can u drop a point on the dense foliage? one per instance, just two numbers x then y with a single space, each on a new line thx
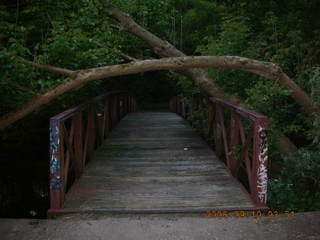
283 32
78 34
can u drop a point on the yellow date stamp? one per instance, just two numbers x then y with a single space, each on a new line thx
254 214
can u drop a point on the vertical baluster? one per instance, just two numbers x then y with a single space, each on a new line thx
115 109
91 133
124 104
78 143
121 106
127 104
217 131
110 106
105 119
234 139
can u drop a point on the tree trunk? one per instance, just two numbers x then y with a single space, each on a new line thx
165 49
186 65
201 78
79 78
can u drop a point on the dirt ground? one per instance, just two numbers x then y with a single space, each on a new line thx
304 226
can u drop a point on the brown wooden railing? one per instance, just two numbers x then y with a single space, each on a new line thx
240 138
74 136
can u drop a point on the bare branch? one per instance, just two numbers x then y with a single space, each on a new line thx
116 51
48 68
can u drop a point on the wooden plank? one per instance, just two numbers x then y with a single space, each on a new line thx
155 162
160 153
156 204
161 163
156 179
159 159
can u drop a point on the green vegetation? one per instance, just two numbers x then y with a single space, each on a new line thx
282 32
298 186
78 34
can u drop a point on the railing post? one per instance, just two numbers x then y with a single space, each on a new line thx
116 109
56 187
130 104
121 106
126 99
91 133
234 139
260 161
218 131
78 143
111 111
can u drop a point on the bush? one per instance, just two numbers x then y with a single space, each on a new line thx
298 186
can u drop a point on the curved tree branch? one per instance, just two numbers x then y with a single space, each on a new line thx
79 78
47 68
165 49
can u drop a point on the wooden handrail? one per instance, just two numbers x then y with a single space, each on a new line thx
76 133
237 142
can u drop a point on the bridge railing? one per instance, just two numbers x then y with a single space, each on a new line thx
74 136
240 138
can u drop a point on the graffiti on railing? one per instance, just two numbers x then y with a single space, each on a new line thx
262 174
55 180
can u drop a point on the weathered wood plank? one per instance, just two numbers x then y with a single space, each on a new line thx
156 204
155 162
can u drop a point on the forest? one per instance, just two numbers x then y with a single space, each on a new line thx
264 55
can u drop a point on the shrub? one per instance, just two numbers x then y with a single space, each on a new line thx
298 186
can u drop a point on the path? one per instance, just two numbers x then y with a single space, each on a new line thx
304 226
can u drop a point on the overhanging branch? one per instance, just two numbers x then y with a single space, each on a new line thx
79 78
200 77
47 68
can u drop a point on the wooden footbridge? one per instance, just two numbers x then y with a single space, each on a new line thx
107 158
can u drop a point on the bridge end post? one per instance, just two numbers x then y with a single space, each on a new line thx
55 182
260 162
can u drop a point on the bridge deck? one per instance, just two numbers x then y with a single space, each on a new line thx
155 162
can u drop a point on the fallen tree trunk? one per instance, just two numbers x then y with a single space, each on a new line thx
165 49
201 78
78 78
186 65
